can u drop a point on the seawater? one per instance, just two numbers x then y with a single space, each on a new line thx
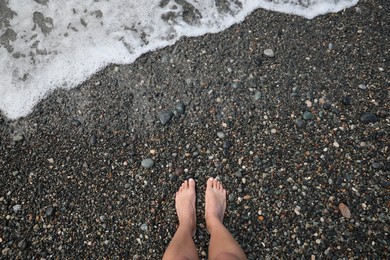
50 44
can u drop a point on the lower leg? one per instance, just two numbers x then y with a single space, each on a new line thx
222 244
182 246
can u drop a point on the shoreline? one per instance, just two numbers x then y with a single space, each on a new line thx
283 133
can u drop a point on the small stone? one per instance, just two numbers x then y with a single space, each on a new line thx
49 211
258 61
330 46
76 122
307 115
299 123
144 227
22 244
50 160
17 208
346 100
308 103
180 108
247 197
179 171
273 131
238 174
17 137
344 210
147 163
385 184
327 106
269 53
368 117
221 135
5 251
257 95
165 117
336 144
362 86
93 140
127 185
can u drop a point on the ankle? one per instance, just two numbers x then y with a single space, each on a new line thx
212 222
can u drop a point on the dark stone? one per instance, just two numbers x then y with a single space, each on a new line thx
49 211
165 117
385 184
93 140
346 100
76 122
368 117
327 106
307 115
258 61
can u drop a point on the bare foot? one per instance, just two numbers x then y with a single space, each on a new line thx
185 205
215 203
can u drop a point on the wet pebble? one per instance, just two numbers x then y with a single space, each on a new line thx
307 115
327 106
165 117
368 117
147 163
93 140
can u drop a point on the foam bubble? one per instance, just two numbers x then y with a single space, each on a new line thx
46 45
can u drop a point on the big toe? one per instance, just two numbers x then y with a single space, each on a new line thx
191 183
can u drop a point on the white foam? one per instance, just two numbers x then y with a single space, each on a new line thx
85 36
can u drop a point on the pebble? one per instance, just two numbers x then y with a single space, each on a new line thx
336 144
257 95
165 117
346 100
327 106
76 122
179 171
221 135
273 131
368 117
17 208
269 53
93 140
17 137
144 227
180 108
308 103
49 211
299 122
307 115
362 86
5 251
147 163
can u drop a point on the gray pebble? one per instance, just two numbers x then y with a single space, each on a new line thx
368 117
49 211
144 227
22 244
269 53
165 117
221 135
299 122
147 163
362 86
93 140
17 137
257 95
180 108
17 208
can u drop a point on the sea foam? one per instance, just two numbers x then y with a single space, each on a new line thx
50 44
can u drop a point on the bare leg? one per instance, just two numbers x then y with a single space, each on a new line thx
182 246
222 244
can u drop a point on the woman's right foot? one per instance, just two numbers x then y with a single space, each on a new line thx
215 203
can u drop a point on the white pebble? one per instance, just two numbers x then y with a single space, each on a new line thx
269 53
336 144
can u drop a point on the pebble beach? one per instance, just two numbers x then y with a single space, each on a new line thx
292 115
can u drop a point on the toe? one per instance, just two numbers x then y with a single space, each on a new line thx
210 183
191 183
215 183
